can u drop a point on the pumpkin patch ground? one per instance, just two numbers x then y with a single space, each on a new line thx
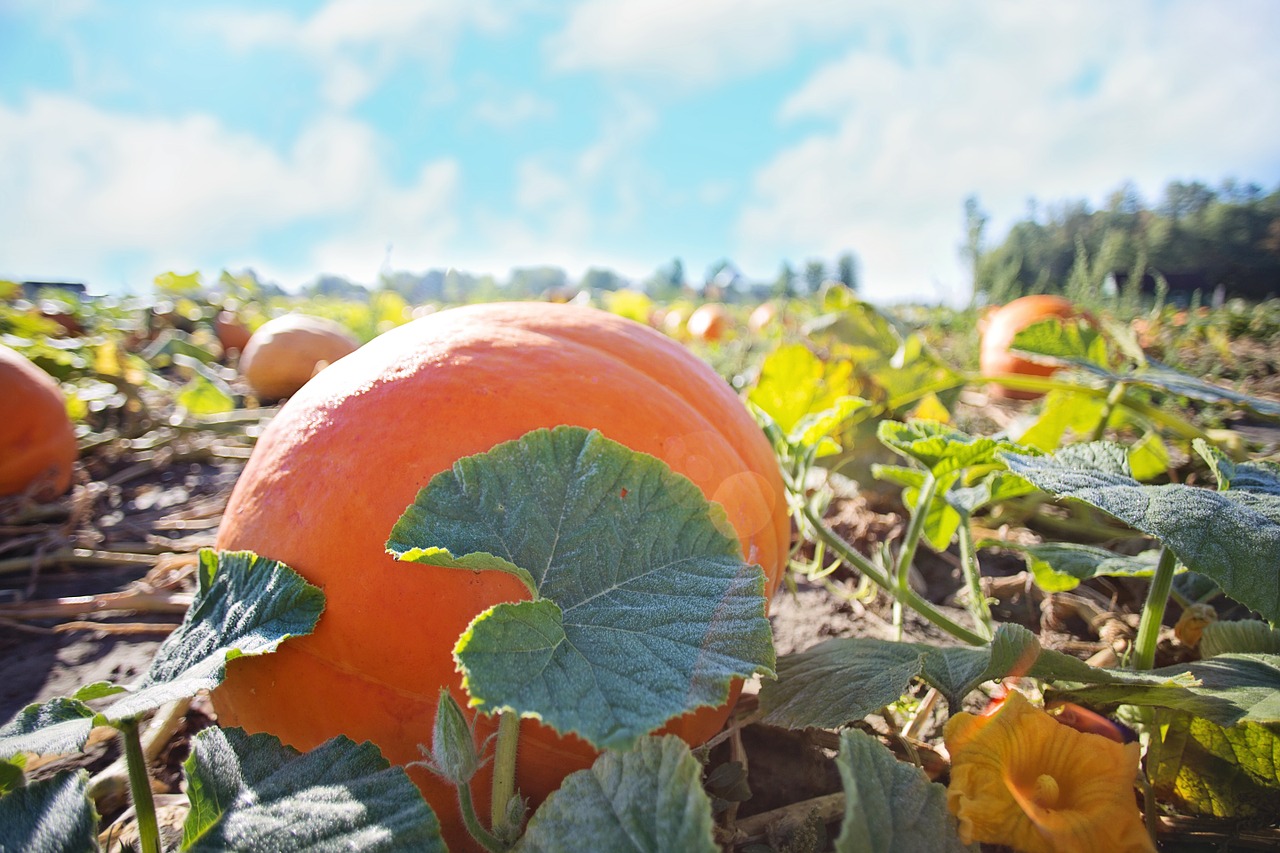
93 581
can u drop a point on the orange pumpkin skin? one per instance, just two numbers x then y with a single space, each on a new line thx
708 322
348 453
998 329
37 439
284 353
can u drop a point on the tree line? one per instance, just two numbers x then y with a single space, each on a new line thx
1221 240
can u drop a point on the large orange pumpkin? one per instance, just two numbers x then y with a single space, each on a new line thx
348 453
284 353
37 438
1000 326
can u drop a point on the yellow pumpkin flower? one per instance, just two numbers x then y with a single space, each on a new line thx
1021 778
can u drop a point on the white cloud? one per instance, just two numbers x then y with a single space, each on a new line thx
356 43
507 113
693 43
575 199
83 186
1057 101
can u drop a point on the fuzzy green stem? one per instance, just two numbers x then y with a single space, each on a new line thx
973 578
1176 425
1113 400
487 839
915 529
1144 652
144 806
504 766
870 570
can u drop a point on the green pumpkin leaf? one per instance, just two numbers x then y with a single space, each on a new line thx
245 605
1149 458
993 488
1232 536
56 727
1062 341
1261 476
648 800
645 608
842 680
251 792
940 448
845 679
200 396
1061 566
1160 377
808 398
1206 769
1163 378
1062 411
941 520
1246 637
50 816
97 690
891 805
11 775
1225 690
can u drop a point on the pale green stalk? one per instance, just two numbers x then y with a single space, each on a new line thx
915 529
973 578
504 766
1144 650
487 839
870 570
144 806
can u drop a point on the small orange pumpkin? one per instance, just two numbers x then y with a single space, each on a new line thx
763 316
1000 326
709 322
284 353
37 439
350 451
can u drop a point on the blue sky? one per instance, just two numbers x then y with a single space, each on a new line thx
337 136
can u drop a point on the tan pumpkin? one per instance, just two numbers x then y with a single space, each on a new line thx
284 353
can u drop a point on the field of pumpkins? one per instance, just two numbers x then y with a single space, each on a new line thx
796 574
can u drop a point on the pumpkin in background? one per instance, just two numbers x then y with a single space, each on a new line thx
999 326
284 353
338 466
232 334
37 439
708 322
764 316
